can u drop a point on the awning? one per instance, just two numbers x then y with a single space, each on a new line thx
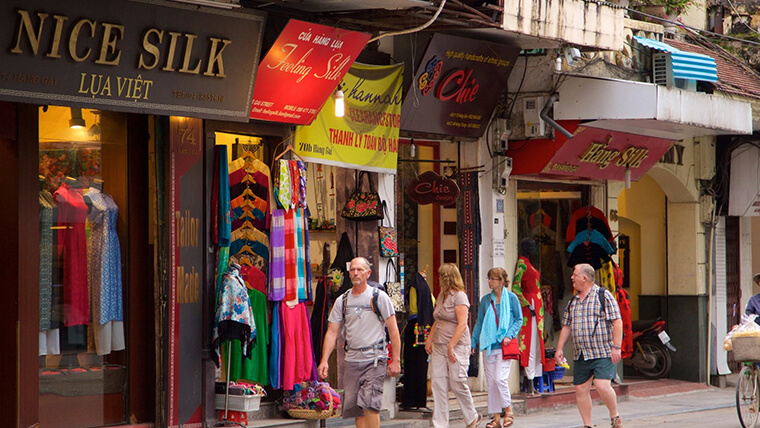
686 65
592 153
649 109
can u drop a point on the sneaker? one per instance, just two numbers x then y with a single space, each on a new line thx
616 422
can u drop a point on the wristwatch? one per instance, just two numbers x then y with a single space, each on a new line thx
615 347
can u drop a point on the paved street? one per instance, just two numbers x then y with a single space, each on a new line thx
713 407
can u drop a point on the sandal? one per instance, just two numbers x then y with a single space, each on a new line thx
509 419
493 424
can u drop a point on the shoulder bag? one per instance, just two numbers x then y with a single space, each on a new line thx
362 205
512 350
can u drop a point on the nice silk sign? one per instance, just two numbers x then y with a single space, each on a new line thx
135 56
301 71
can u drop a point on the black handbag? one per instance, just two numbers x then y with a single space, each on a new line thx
362 205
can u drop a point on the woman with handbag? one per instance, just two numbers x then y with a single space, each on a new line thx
499 322
448 347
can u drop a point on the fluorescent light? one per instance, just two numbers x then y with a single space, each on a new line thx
340 108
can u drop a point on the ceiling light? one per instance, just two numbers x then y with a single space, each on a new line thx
627 177
76 120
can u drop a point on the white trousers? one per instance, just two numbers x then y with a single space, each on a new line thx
445 376
497 379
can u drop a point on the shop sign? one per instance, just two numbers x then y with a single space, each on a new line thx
302 69
185 358
602 154
458 83
431 188
366 137
143 56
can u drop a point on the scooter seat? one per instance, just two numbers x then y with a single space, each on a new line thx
643 324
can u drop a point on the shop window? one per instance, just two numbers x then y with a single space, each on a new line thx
83 208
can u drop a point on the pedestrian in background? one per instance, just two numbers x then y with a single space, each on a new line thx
499 321
449 348
593 321
753 306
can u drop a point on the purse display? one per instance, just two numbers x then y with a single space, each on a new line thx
362 205
393 288
387 237
510 351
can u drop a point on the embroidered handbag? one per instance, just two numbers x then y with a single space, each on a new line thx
510 351
393 288
361 205
387 237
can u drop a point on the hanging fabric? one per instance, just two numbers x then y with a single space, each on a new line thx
234 318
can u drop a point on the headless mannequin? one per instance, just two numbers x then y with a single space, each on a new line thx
528 248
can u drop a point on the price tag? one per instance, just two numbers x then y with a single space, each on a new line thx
664 338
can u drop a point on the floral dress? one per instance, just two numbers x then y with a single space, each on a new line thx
527 287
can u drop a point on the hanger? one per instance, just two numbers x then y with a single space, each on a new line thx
246 249
248 192
245 261
289 148
248 178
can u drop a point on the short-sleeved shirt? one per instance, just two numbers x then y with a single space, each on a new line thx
362 327
584 316
753 307
446 317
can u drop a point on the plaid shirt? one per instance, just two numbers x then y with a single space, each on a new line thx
583 316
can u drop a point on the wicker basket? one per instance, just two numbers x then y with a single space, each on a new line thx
239 403
746 348
313 414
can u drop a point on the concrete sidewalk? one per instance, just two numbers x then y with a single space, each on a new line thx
635 406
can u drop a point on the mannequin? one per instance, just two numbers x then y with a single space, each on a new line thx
527 287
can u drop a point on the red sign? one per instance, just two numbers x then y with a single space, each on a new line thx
453 93
602 154
302 69
431 188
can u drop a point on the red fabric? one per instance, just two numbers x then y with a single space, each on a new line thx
72 244
297 354
530 292
291 270
295 183
624 301
254 278
579 214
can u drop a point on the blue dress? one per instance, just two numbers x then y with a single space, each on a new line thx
104 259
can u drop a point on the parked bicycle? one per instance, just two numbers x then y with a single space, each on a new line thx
747 394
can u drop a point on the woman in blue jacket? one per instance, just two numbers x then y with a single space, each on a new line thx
499 321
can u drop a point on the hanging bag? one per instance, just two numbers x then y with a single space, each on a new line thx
361 205
387 237
512 350
393 288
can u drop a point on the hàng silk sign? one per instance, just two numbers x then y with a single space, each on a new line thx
367 136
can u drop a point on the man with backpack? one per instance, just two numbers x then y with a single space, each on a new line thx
592 319
364 312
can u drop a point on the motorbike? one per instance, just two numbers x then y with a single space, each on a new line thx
651 349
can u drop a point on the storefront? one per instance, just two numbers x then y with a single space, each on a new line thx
87 93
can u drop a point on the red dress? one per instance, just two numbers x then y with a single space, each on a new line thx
72 246
527 287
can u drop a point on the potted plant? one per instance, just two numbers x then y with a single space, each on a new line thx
664 8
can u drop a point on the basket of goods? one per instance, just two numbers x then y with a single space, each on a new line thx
242 397
744 340
311 400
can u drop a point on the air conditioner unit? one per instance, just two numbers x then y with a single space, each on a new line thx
662 73
534 125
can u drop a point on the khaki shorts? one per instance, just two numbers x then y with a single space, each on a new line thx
363 387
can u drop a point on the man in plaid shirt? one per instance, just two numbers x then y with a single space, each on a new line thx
597 333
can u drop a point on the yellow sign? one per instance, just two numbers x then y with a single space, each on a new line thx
366 137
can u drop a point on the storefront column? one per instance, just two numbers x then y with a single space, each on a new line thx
687 291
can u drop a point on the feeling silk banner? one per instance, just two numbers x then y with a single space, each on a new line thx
366 137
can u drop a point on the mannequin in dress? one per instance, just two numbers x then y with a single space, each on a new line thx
527 287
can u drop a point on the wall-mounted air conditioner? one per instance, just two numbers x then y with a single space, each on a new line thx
662 73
